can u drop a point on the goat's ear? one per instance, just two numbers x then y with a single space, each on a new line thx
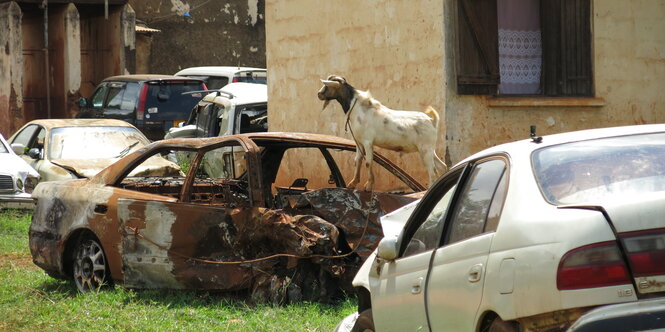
332 84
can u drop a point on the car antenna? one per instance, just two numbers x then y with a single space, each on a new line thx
534 138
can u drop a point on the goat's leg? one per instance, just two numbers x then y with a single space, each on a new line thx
369 156
441 167
428 157
356 176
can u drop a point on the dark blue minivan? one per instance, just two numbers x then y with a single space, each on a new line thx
152 103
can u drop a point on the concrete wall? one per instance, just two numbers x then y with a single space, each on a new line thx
403 51
199 33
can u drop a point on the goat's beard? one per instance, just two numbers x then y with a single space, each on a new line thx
325 104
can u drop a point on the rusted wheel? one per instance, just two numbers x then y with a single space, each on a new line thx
89 269
364 323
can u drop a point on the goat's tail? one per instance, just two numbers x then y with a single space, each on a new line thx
434 115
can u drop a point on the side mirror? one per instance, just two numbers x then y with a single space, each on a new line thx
83 103
387 248
34 153
18 148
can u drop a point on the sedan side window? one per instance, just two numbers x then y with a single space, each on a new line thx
427 235
25 136
475 200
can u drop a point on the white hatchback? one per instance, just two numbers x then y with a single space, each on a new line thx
216 77
525 236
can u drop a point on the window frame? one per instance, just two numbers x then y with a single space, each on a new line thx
567 70
438 190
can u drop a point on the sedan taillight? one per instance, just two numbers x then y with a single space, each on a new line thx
646 252
595 265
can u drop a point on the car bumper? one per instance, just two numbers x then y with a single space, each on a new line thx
645 315
17 201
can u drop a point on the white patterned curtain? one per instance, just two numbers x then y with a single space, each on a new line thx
520 48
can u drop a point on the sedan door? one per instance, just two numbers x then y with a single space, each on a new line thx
457 274
183 243
398 286
436 282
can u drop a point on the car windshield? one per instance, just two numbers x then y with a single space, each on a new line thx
600 169
94 142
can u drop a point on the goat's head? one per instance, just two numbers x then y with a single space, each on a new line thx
335 87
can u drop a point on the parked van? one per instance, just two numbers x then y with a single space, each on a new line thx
152 103
237 108
216 77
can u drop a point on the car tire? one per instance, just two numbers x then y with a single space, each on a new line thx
89 268
498 325
364 323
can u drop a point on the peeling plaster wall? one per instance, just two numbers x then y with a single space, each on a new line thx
199 33
404 53
393 48
11 64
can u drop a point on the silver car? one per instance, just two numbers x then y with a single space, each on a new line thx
525 236
17 179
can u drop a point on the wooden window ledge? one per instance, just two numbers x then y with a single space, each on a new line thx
545 102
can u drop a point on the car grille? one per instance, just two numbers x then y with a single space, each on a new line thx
6 182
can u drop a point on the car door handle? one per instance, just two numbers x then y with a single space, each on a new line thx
475 273
101 208
417 286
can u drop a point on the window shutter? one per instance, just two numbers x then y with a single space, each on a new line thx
566 34
478 47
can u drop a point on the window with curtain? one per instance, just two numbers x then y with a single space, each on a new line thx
524 47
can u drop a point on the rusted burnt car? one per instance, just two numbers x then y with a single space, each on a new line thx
240 216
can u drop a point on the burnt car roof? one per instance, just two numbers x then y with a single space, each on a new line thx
277 136
149 77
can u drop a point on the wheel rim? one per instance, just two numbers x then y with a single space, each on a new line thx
89 266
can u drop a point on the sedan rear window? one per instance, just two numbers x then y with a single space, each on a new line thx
598 169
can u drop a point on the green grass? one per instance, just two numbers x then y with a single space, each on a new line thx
30 300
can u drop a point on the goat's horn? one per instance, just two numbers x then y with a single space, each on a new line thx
330 83
325 104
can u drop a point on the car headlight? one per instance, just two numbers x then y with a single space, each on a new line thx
19 184
30 184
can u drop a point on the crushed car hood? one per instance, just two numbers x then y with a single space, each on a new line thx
90 167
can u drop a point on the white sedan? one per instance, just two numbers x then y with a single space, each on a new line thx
17 179
525 236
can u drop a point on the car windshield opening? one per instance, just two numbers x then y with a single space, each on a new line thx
599 169
93 142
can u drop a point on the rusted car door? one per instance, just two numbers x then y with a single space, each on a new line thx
179 244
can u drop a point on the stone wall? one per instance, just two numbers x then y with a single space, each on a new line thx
200 33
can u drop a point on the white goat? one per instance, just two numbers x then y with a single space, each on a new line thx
372 123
